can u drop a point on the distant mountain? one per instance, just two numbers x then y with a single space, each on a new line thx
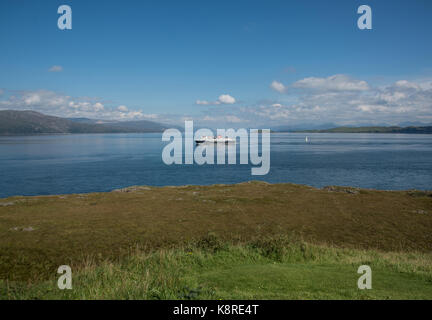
134 126
83 120
392 129
414 124
140 126
14 122
302 126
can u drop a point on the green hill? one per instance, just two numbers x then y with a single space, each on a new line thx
30 123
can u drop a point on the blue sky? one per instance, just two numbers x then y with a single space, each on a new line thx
244 62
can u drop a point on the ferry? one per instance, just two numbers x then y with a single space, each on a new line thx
218 139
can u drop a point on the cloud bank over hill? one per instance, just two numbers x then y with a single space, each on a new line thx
57 104
337 98
350 101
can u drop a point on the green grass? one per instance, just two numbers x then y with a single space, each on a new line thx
37 234
272 268
281 241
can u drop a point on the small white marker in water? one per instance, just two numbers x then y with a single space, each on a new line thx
307 139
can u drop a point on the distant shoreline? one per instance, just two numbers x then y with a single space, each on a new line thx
259 131
72 134
138 188
31 123
392 129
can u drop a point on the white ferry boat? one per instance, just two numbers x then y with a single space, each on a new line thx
218 139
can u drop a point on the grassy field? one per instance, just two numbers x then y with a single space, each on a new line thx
250 240
276 268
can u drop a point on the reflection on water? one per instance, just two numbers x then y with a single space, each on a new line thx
86 163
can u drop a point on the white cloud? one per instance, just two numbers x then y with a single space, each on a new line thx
85 106
392 96
338 82
56 69
337 99
203 102
407 84
226 99
233 119
221 118
98 106
223 99
52 103
392 104
122 108
32 98
207 118
278 86
398 102
150 116
371 108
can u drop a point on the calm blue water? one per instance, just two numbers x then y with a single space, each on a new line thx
40 165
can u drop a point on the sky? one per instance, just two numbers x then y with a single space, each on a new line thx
220 63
